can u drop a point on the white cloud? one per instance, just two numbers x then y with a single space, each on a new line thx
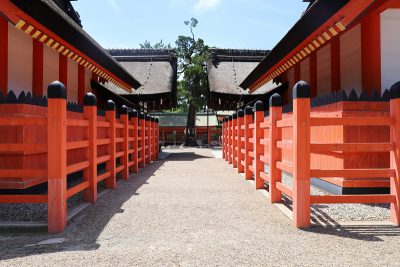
206 4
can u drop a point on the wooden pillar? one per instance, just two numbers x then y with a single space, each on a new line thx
258 148
248 119
230 139
153 139
313 74
234 140
371 52
143 137
3 55
158 138
395 153
148 139
296 70
111 164
37 67
240 143
135 143
125 144
57 157
335 64
81 83
224 138
275 154
63 69
209 135
301 157
90 113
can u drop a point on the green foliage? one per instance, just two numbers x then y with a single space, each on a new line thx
159 45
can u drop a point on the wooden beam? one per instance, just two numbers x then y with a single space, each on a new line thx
335 64
81 83
63 69
37 68
3 55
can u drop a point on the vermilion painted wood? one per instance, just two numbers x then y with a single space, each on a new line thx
248 119
125 146
143 142
234 143
148 142
111 166
335 64
366 199
78 188
240 145
258 148
395 160
275 134
230 142
37 67
301 162
3 55
313 74
57 165
223 139
158 138
90 175
135 166
23 199
284 189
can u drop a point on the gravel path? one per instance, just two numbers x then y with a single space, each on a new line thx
194 210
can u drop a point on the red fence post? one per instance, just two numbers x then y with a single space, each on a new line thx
230 153
248 119
125 145
157 137
57 157
224 138
258 147
275 154
111 164
234 140
90 114
240 143
142 123
135 143
301 159
395 153
153 139
148 138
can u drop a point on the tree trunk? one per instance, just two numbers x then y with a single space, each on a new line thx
191 127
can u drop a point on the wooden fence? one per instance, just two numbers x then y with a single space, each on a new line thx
297 142
48 140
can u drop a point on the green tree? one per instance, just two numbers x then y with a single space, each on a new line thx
159 45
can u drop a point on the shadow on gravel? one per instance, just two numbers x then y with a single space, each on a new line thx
83 231
185 156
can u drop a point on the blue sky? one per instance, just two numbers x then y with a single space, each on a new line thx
249 24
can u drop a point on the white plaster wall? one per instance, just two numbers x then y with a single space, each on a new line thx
305 70
72 90
324 70
50 67
88 77
20 60
390 47
350 60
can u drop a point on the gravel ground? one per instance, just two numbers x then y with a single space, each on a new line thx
194 210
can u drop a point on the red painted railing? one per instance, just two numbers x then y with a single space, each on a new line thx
46 144
291 143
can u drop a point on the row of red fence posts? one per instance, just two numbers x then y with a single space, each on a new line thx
139 148
253 140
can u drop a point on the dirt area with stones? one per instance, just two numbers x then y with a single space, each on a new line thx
191 209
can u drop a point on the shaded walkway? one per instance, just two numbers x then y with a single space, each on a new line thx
193 209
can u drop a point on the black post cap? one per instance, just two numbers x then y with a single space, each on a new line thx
395 91
89 99
56 90
259 106
124 110
301 90
234 115
152 119
275 100
133 113
110 105
157 120
147 118
248 110
240 113
230 117
141 116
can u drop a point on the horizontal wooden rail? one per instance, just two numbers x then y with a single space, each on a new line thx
264 176
284 189
78 188
23 199
101 142
264 125
119 140
26 173
77 167
77 123
352 147
77 144
103 124
120 168
285 144
103 176
353 173
119 125
22 148
365 199
351 121
285 123
23 121
103 159
284 167
119 154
